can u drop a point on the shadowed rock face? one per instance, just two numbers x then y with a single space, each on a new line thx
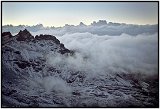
24 36
47 37
62 50
7 34
6 37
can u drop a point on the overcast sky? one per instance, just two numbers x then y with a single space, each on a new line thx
61 13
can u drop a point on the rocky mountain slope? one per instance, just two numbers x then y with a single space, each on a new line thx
28 80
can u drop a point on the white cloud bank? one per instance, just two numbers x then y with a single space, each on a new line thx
106 54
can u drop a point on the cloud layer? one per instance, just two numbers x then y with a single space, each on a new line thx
102 27
106 54
105 47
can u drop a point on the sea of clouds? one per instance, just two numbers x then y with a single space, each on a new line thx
103 54
107 47
106 55
100 49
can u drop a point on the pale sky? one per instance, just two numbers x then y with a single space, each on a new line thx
61 13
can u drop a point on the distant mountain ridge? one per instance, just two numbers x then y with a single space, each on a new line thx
102 27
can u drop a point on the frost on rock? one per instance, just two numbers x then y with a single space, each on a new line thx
40 72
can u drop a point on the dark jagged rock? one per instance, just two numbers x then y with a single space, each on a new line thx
23 64
24 35
6 37
63 51
47 37
61 45
10 93
76 93
17 52
7 34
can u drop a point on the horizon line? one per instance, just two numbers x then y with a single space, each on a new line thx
78 24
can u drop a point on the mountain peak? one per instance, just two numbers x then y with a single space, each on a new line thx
24 35
25 31
81 24
99 23
6 34
47 37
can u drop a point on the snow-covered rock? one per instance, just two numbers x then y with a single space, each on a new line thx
29 79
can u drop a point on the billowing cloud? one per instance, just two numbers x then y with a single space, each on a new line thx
107 54
56 85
